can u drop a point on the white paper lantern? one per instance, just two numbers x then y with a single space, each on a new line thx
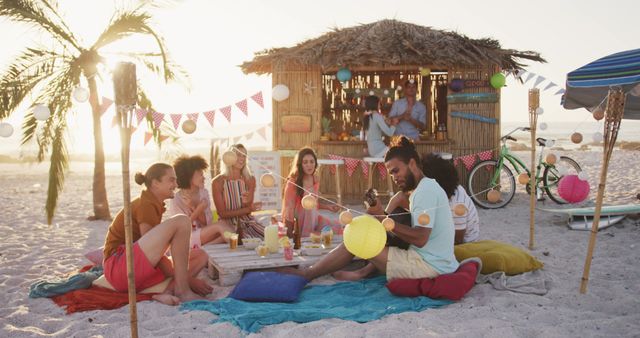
309 202
597 137
550 143
41 112
6 129
539 111
345 217
280 92
229 158
543 126
583 176
358 91
80 94
371 93
267 180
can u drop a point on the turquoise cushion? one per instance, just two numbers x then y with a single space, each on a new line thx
268 286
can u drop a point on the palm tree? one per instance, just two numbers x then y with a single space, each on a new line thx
53 73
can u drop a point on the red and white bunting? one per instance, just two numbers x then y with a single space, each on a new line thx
133 130
242 105
333 167
257 97
140 114
382 170
106 103
365 168
486 155
147 137
162 138
210 115
469 161
193 117
226 111
350 164
455 162
175 118
262 132
157 118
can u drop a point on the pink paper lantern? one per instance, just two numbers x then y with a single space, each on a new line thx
572 189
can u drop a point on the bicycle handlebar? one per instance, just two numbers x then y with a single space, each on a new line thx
508 136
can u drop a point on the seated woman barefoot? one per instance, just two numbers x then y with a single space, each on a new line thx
303 175
233 192
151 239
193 200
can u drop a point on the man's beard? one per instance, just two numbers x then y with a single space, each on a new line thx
409 182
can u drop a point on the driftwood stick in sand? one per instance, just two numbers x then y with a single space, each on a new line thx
534 103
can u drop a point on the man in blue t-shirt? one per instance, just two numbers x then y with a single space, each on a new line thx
431 245
411 112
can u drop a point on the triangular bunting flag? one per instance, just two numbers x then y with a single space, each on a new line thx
193 117
382 170
333 167
550 85
140 114
175 118
257 97
350 164
521 72
210 115
147 137
560 91
365 168
455 162
529 77
157 118
242 105
485 155
539 81
262 132
106 103
226 111
469 161
162 138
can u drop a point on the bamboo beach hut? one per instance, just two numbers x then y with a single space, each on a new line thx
324 111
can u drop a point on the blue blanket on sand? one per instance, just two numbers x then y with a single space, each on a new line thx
360 301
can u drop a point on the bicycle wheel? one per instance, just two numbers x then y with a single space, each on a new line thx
553 174
479 184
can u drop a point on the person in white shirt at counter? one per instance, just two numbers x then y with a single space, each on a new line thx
412 113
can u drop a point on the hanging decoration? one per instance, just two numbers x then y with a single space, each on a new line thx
80 94
576 137
543 126
523 178
364 237
257 98
175 118
267 180
424 219
343 75
388 223
572 189
242 105
597 137
459 210
280 92
309 202
41 112
189 126
345 217
6 129
309 87
229 158
498 80
425 71
456 85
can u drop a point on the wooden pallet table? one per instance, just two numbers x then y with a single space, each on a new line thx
228 265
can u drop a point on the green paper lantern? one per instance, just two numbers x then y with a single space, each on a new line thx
497 80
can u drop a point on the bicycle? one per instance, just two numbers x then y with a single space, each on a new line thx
497 175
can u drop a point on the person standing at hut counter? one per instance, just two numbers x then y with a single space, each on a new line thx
411 112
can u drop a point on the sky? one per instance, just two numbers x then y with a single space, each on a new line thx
211 38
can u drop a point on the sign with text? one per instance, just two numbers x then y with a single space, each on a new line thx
262 162
295 124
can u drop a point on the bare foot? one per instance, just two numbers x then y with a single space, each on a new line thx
166 299
291 271
348 275
188 296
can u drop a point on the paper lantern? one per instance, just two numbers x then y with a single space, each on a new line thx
280 92
549 143
343 75
80 94
583 176
523 178
364 237
543 126
497 80
41 112
345 217
229 158
551 158
493 196
189 126
6 129
597 137
598 114
572 189
456 85
539 110
425 71
389 224
576 137
267 180
459 209
424 219
309 202
635 91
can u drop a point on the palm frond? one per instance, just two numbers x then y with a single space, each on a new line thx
57 169
40 16
30 68
153 62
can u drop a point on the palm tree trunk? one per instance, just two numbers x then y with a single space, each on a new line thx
100 202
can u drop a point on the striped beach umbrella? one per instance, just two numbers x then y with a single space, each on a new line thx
588 86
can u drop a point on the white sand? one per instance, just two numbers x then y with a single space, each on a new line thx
30 250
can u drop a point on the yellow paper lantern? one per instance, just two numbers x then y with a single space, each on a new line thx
229 158
267 180
309 202
425 71
523 178
345 217
459 210
364 237
493 196
189 126
576 138
424 219
551 159
389 224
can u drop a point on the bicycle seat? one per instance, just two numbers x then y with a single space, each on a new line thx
541 141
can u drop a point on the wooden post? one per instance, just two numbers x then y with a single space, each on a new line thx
534 104
126 97
613 116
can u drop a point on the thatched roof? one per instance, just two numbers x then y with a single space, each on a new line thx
391 42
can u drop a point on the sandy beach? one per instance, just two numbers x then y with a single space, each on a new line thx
31 250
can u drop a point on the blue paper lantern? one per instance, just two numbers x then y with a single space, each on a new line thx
456 85
343 75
